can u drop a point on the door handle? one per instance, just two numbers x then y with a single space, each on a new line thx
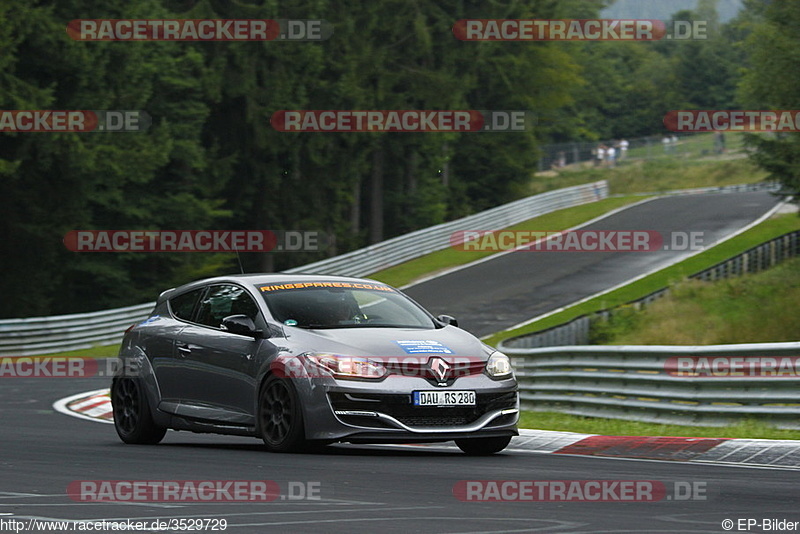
183 349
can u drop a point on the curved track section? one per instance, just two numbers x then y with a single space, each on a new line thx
493 295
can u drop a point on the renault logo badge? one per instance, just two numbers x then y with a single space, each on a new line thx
440 368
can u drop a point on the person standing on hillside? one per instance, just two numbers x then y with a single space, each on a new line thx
611 156
601 154
623 149
719 142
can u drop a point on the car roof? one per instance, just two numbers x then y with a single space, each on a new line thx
256 279
282 278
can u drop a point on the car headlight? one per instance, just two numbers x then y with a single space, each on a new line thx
499 366
348 366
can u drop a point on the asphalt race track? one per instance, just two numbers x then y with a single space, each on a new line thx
494 295
396 489
361 489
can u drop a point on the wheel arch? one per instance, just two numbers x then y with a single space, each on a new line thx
136 364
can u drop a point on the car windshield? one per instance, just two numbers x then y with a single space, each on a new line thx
342 305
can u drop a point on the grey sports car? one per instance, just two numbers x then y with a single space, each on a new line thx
302 360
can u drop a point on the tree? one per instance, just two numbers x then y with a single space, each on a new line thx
773 82
56 182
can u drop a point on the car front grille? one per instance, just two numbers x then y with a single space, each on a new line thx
401 408
429 420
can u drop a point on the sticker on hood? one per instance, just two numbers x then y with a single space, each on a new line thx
423 346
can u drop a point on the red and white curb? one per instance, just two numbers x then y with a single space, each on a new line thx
92 405
751 452
782 454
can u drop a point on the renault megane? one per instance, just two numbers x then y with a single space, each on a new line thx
298 360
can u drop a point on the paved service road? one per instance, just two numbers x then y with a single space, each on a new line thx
494 295
361 489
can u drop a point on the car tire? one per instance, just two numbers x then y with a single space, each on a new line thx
483 446
132 417
280 416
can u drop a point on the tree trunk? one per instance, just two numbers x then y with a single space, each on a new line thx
355 210
376 197
410 201
446 165
267 262
411 175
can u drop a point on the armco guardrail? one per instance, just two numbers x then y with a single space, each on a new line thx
772 187
406 247
644 383
577 331
41 335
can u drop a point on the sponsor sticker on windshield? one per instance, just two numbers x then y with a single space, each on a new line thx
307 285
423 346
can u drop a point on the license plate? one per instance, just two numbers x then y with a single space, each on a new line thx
444 398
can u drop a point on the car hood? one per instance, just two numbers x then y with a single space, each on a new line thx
389 342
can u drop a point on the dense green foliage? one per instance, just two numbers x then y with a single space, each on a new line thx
211 160
772 81
749 309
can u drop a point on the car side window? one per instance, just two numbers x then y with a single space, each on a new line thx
183 306
224 300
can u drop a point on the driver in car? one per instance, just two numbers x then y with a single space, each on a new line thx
343 310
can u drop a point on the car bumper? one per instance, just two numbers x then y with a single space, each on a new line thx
354 411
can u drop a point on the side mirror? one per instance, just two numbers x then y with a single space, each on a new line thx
241 325
448 319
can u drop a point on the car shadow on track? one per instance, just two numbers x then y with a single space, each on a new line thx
338 449
330 450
